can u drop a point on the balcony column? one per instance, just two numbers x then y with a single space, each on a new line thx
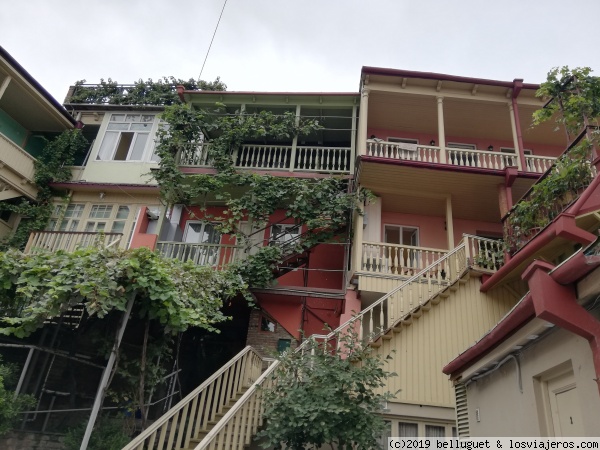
353 139
362 122
357 246
295 141
441 131
449 222
517 143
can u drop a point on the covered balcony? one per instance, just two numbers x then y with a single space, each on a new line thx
454 122
287 158
70 241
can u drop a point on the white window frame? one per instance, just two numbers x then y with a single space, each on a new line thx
461 146
449 428
512 150
204 224
402 140
284 238
146 154
400 231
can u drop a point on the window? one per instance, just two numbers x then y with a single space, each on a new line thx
406 429
99 218
69 220
461 145
282 234
126 137
267 325
208 238
403 140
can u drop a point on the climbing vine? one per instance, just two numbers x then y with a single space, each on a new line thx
322 205
573 101
149 92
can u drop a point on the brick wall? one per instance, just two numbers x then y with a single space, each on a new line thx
265 342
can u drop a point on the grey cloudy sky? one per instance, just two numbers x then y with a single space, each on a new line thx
301 45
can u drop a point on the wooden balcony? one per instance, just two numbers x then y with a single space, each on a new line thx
392 259
277 157
16 170
482 159
71 240
213 255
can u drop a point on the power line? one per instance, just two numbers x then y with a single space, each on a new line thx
211 41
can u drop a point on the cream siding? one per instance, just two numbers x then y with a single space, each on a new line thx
422 348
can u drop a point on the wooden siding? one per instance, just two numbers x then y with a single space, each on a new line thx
422 348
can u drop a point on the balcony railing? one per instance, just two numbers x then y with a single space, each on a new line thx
393 259
70 240
560 185
277 157
214 255
483 159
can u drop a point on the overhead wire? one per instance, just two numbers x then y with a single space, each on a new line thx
211 41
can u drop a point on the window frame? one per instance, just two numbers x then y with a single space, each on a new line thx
148 154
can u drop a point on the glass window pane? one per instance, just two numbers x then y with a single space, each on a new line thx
147 118
117 117
137 153
140 126
108 145
101 211
123 212
435 431
132 118
408 429
211 236
125 140
118 226
118 126
51 225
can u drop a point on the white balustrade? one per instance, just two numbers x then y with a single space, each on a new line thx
394 259
276 157
195 156
402 151
70 241
538 164
263 157
484 254
483 159
215 255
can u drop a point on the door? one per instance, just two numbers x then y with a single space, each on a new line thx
564 406
401 256
204 242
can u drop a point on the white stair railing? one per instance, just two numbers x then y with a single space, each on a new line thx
237 427
200 409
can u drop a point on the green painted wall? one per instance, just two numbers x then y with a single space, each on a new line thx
12 129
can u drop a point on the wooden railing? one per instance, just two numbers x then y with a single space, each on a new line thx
538 164
484 254
193 416
237 427
70 240
276 157
215 255
394 259
483 159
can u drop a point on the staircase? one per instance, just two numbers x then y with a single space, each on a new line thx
189 422
194 422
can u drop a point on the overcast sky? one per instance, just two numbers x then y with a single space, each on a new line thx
302 45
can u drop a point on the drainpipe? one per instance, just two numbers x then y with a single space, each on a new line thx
557 303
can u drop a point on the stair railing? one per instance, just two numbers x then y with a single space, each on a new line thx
201 408
237 427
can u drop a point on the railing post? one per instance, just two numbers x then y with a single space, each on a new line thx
441 131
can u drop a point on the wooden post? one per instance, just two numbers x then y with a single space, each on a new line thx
106 375
441 131
294 141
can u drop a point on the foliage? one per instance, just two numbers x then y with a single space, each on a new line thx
574 97
10 406
178 295
52 165
573 101
108 434
321 205
161 92
326 397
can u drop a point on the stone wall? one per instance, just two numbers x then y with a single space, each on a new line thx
22 440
